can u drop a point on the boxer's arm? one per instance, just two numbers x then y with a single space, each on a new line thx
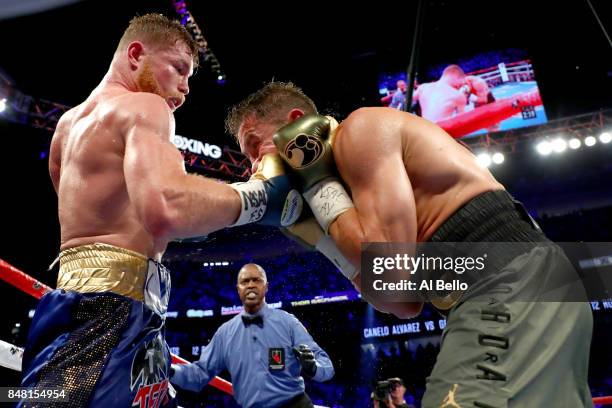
55 150
54 162
460 103
170 202
368 154
480 90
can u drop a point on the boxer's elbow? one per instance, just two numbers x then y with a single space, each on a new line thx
162 211
158 219
401 310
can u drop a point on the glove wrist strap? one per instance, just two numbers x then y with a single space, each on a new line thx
253 201
328 199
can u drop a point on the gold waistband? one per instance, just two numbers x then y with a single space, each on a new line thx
103 268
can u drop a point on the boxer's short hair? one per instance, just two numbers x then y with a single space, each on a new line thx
453 70
271 103
158 30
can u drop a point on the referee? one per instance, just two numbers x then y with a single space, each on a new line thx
266 351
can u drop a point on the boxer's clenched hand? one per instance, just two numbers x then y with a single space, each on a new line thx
268 197
305 144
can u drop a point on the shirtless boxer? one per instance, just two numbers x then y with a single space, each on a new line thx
478 91
123 195
410 182
442 99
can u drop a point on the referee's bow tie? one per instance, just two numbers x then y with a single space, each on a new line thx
247 320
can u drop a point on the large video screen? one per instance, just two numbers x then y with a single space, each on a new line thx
490 92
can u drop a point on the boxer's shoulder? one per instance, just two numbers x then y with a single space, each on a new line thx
361 122
364 116
62 129
140 109
65 121
368 127
140 104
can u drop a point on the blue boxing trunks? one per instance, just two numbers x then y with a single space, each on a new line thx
100 335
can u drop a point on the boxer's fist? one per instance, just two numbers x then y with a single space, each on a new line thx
268 197
306 146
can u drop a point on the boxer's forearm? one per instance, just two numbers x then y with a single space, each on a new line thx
196 206
348 234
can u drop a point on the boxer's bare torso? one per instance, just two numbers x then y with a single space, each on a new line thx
87 162
406 177
439 100
441 174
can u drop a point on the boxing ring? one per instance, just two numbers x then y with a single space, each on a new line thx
11 355
490 114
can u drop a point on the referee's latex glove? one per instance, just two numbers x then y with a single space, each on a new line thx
306 358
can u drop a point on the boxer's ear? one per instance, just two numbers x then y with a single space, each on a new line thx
135 52
294 114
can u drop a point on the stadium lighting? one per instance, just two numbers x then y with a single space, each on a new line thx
575 143
483 159
559 145
2 105
605 137
544 148
498 158
220 263
590 141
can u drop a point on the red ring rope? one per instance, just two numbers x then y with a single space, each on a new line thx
31 286
488 115
602 400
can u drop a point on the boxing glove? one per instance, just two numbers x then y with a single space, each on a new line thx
306 146
268 197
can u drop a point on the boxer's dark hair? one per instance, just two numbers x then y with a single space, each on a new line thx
158 30
271 103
